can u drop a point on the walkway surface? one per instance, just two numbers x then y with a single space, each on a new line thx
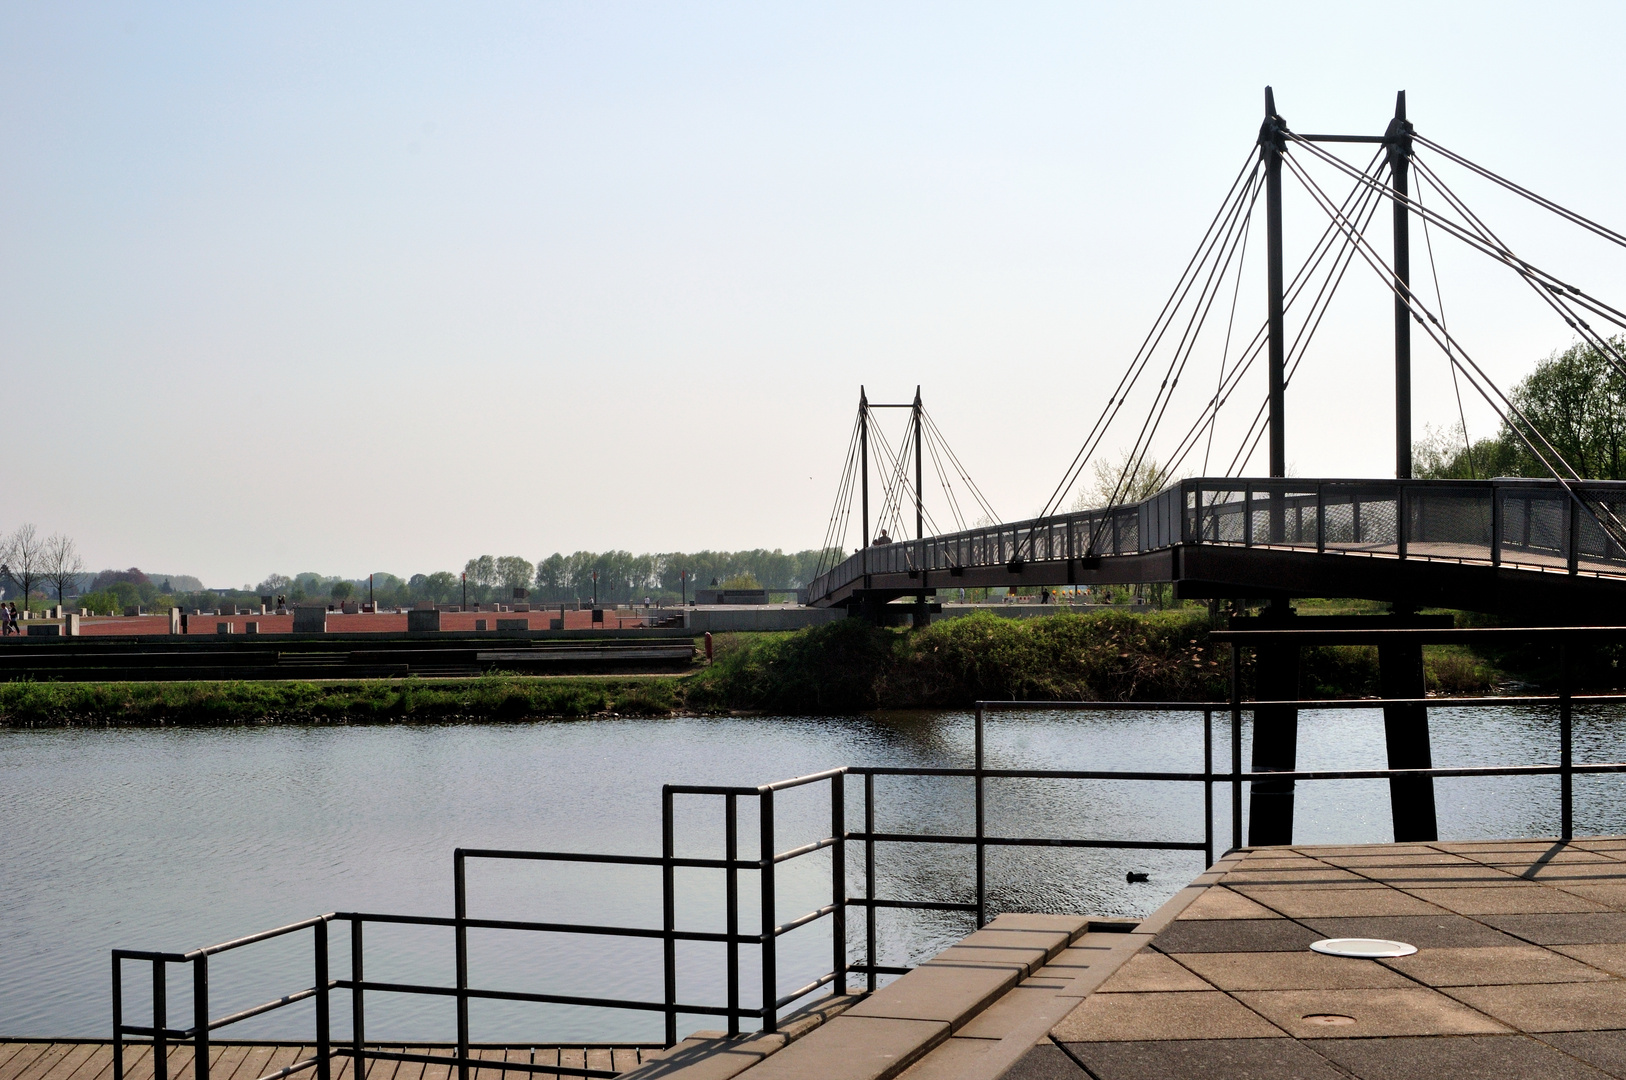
93 1060
1521 949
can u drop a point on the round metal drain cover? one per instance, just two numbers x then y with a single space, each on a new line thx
1330 1019
1362 948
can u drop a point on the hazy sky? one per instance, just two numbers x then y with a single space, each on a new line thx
382 287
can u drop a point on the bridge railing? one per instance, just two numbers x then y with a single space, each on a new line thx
1515 522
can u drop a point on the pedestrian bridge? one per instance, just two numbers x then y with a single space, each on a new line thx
1529 549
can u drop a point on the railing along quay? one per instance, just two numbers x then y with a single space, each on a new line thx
771 1003
1533 524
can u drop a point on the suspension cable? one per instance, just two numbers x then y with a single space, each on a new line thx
1456 386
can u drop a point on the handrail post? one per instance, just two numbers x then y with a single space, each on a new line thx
1572 558
838 884
1565 749
1208 787
200 1017
869 879
324 1037
669 914
1496 525
160 1022
770 941
118 1017
1320 518
1401 522
1247 515
982 863
358 1026
461 933
1236 746
731 852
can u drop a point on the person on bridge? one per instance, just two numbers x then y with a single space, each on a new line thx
881 539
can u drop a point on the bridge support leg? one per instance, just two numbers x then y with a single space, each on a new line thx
1275 738
1405 731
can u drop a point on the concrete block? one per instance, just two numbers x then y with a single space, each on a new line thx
226 608
45 630
513 624
350 607
422 619
222 627
479 624
129 612
556 624
854 1048
177 621
952 993
251 628
70 625
310 619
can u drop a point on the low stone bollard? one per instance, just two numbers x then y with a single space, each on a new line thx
513 624
223 628
251 628
45 630
70 625
310 619
422 620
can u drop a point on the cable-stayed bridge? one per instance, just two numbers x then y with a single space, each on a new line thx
1540 550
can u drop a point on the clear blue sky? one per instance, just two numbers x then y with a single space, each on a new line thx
382 287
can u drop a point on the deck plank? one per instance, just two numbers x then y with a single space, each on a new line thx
68 1063
44 1059
25 1059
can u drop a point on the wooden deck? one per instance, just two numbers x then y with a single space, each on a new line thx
93 1060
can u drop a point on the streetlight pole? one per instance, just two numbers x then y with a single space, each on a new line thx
465 606
595 588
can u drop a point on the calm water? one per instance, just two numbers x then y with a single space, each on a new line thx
174 839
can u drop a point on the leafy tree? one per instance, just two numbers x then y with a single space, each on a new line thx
514 572
342 590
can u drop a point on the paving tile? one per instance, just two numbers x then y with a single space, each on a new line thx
1604 1049
1381 860
1151 971
1173 909
1495 966
852 1048
1218 903
1440 876
1583 928
1298 879
1461 1057
951 993
1290 971
1583 1006
1424 931
1210 1059
1044 1062
1133 1017
1333 851
1506 900
1235 935
1611 894
1026 1013
1401 1011
1610 958
1333 903
1022 961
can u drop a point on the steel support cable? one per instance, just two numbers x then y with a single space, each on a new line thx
843 504
1216 257
1452 349
1250 165
1456 386
964 473
1325 244
942 481
891 479
899 487
1563 212
1365 205
1225 351
1496 251
1204 303
1555 300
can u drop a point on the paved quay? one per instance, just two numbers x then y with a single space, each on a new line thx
1521 953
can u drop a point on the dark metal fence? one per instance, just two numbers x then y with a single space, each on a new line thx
766 1015
1514 522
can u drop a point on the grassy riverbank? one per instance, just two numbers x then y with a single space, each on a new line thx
841 667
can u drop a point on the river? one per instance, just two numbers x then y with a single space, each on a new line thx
171 839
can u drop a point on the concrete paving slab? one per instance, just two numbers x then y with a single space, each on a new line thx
1045 1062
1298 879
1506 900
1424 931
1025 1014
1022 961
1584 928
1148 970
1358 1014
1171 910
1611 894
853 1048
1290 971
1582 1006
946 992
1209 1059
1346 851
709 1055
1221 903
1495 966
1235 935
1332 903
1138 1017
1463 1057
1468 874
1394 860
1070 925
1610 958
1605 1050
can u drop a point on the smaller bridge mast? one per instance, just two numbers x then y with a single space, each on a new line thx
1398 141
1272 144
